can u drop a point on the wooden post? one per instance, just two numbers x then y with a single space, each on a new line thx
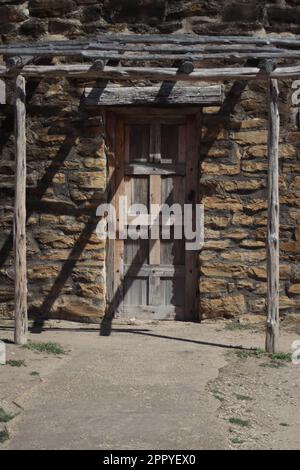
21 322
272 330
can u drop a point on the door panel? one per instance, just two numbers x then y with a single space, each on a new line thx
153 273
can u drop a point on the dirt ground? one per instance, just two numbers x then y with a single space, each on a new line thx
167 385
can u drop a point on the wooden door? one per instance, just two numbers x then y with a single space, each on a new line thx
155 162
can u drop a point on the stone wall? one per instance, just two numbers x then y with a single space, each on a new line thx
67 163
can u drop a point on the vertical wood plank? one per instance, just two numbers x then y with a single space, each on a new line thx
272 327
119 191
21 320
155 142
155 198
191 268
110 244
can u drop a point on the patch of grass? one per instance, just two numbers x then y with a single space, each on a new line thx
4 436
244 354
219 397
49 347
34 373
281 356
243 397
240 422
4 416
272 364
16 363
236 326
236 440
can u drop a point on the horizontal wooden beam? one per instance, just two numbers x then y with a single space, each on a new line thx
155 169
146 40
111 95
160 270
151 55
152 73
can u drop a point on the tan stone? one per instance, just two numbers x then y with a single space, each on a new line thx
214 152
254 123
259 272
286 302
227 306
244 256
285 271
256 205
290 246
92 290
261 220
291 198
55 239
51 138
257 305
59 178
219 203
261 288
290 168
295 183
220 169
252 243
98 163
246 184
47 219
244 284
43 271
206 255
211 109
287 151
212 285
32 220
294 215
217 269
216 244
242 219
216 220
237 234
252 167
294 289
297 233
211 234
75 308
258 151
250 137
88 179
293 137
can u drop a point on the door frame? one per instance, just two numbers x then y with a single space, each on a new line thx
115 187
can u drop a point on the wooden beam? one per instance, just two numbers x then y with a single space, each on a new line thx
21 321
272 330
174 39
111 95
152 73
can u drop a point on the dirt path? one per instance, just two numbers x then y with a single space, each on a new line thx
167 385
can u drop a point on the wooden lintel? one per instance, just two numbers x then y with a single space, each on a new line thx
21 321
111 95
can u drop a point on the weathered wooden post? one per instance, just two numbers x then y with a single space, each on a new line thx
272 330
21 322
